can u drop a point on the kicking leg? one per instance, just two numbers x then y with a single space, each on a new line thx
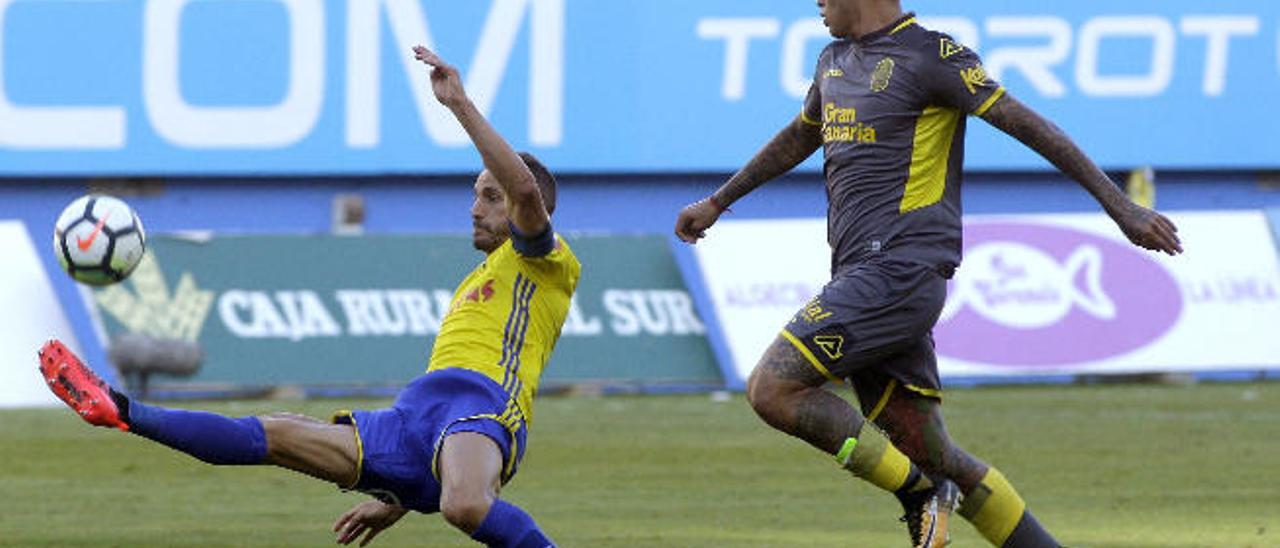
324 451
307 445
914 423
313 447
470 477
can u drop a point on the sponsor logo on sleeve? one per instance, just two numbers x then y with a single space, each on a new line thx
974 77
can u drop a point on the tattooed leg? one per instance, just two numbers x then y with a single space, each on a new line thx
786 391
914 423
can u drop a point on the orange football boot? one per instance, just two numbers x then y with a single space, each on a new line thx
78 386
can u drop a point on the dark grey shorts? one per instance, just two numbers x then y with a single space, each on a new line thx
874 319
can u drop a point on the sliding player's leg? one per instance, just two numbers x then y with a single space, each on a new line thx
325 451
470 469
910 412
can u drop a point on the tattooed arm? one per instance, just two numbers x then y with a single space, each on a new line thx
786 150
1144 227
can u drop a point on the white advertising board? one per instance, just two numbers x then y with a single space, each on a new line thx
32 316
1036 295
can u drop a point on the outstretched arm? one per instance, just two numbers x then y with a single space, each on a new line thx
1144 227
524 201
786 150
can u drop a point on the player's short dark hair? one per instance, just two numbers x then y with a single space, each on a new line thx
544 179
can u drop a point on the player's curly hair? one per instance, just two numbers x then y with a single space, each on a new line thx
545 180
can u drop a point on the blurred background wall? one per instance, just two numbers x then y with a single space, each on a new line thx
270 118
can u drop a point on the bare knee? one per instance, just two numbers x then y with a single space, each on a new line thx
782 376
470 472
466 508
759 393
769 395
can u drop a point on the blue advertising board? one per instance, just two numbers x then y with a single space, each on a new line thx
102 87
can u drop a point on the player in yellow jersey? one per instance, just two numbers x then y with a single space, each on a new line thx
454 435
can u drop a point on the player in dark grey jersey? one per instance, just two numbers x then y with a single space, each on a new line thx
888 106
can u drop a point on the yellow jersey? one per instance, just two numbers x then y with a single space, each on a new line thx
505 318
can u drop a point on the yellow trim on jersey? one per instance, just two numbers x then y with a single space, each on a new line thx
930 155
809 355
805 118
349 416
930 392
986 105
903 25
884 400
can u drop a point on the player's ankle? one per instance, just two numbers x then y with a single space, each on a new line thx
122 404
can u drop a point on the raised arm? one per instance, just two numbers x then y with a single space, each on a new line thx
1144 227
524 201
797 141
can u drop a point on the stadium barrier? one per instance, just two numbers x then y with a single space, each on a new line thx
32 315
1273 215
1037 295
329 311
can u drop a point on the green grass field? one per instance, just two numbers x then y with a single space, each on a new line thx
1120 466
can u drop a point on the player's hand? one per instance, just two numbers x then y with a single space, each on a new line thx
695 219
369 518
446 84
1148 229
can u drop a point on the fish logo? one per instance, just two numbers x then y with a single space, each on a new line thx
1021 287
1031 294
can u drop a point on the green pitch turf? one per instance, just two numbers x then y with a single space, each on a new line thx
1122 466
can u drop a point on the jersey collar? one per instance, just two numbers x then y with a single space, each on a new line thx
903 22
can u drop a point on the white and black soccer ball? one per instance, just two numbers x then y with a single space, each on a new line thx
99 239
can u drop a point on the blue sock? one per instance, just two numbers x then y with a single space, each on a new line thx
507 526
212 438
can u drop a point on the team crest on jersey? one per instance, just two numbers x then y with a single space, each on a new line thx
481 294
947 47
880 78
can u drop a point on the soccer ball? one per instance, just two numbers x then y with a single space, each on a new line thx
99 239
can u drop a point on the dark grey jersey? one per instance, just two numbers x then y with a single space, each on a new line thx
892 106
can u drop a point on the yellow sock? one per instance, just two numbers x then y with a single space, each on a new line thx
993 507
872 457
